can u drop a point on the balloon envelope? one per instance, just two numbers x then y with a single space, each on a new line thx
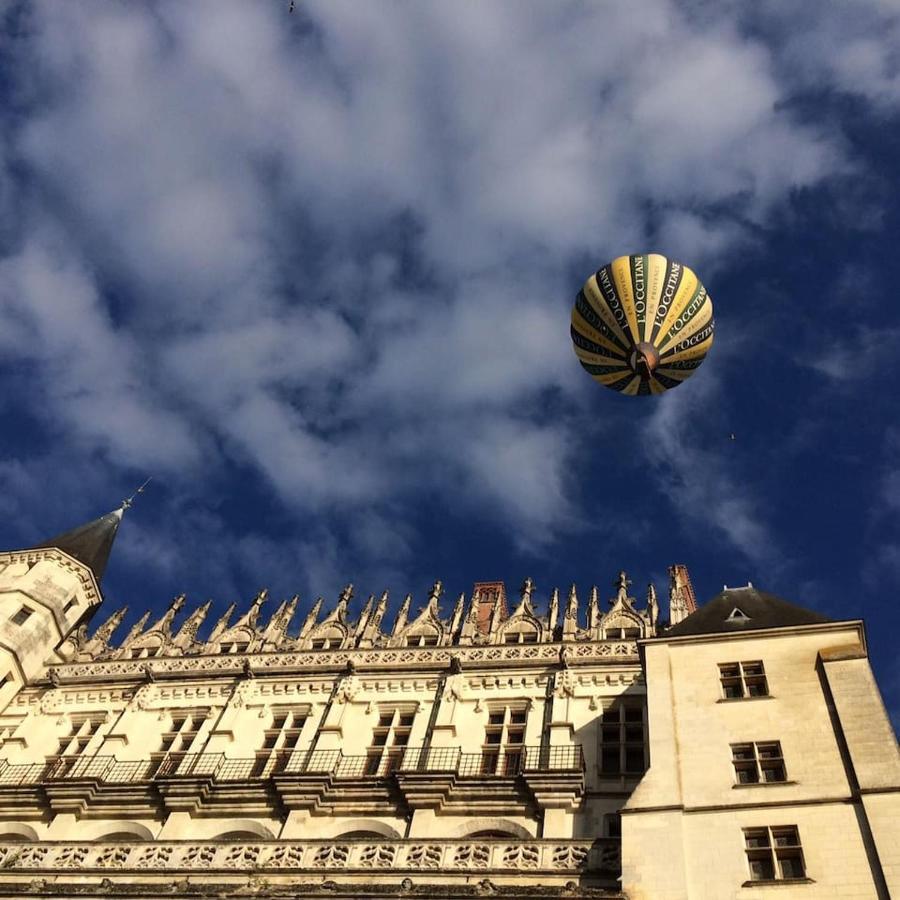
642 324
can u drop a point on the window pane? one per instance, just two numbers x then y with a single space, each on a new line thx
785 837
747 775
634 760
634 714
379 739
756 837
756 687
495 718
610 733
773 772
515 736
406 720
492 737
385 720
742 751
753 668
730 670
762 869
517 717
791 865
609 762
733 689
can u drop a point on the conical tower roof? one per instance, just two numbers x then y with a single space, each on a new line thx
90 543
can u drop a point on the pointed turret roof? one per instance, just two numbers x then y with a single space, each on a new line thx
90 543
755 610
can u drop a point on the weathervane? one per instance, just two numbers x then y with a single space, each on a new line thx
128 501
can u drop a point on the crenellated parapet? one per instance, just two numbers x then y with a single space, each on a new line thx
482 620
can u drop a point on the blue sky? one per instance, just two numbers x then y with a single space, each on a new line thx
313 273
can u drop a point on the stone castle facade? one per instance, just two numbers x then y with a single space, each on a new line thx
592 751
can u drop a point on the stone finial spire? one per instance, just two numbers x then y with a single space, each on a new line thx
340 611
570 621
105 631
526 593
652 605
363 618
278 625
553 613
311 617
470 626
222 624
456 618
437 589
164 623
253 612
187 634
594 609
402 616
135 632
373 625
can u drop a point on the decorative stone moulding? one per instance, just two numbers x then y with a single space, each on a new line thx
318 660
535 856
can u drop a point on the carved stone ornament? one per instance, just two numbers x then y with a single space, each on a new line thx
455 688
145 696
347 689
565 683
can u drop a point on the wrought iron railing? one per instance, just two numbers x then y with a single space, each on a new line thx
503 762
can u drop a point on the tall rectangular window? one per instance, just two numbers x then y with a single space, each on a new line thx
774 854
390 738
504 740
180 751
80 735
280 741
759 762
743 679
623 738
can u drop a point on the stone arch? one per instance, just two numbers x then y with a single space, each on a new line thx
115 831
17 831
523 628
426 633
242 829
623 620
350 826
473 826
333 634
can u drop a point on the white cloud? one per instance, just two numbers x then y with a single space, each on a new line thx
227 181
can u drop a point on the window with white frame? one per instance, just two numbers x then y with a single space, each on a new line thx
760 762
280 740
390 737
504 739
741 680
774 853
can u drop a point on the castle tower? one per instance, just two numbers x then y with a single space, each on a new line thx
46 592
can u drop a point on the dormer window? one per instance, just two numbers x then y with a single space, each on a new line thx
320 644
738 616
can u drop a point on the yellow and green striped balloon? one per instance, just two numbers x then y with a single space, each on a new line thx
642 324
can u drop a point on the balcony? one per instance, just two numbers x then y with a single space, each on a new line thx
218 767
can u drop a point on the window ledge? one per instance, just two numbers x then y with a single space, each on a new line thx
743 699
777 882
755 784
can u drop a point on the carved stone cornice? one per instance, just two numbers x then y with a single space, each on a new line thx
64 561
319 661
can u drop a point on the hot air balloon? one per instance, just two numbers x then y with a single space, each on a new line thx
642 324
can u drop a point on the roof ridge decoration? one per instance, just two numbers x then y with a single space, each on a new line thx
248 634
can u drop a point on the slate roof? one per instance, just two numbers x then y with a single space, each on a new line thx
759 609
91 543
